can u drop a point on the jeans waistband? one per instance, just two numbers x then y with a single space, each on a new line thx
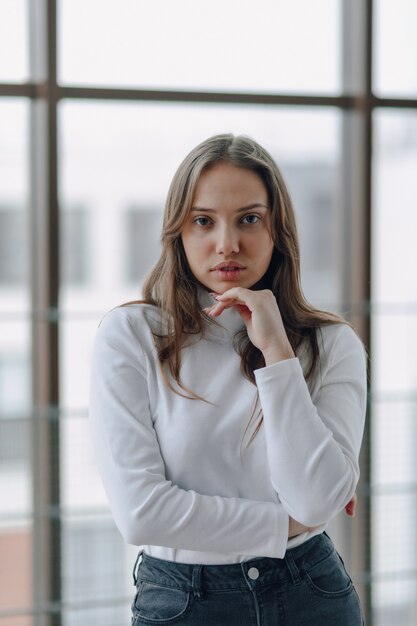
256 572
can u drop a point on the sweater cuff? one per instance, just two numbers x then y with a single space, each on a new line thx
280 370
281 533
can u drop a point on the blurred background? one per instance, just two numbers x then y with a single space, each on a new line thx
99 102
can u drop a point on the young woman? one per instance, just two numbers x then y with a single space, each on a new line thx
227 413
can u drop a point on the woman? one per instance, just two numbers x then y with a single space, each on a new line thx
228 413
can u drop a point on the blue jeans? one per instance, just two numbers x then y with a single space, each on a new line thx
309 587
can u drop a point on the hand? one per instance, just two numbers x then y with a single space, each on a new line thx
350 508
260 312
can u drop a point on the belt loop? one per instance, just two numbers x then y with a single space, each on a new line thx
136 566
196 581
292 567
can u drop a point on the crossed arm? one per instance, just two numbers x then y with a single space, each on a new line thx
147 507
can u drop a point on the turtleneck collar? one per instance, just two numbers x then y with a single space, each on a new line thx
226 325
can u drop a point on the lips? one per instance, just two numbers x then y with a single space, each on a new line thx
229 266
229 271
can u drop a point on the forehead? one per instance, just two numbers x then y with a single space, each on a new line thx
224 184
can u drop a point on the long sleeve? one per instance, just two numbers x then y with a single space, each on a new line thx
313 446
148 508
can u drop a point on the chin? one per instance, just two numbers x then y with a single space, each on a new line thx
225 285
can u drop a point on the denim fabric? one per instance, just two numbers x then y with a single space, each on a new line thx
310 586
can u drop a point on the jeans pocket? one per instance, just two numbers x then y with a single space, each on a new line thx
157 604
329 578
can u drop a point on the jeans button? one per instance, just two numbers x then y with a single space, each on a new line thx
253 573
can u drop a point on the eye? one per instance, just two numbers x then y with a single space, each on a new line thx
250 219
202 221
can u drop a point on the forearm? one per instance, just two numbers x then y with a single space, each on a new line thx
150 510
312 450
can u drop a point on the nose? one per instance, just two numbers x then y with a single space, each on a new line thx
227 241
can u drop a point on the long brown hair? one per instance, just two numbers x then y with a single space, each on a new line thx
173 289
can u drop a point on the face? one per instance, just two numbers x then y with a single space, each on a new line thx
227 234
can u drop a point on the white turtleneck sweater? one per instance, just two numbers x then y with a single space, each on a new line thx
179 476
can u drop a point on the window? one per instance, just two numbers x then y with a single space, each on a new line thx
138 85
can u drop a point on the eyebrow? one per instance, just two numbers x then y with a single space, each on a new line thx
243 208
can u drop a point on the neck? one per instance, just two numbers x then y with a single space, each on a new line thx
226 325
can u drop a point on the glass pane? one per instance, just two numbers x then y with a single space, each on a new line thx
394 436
13 41
117 162
273 45
15 469
394 602
394 253
100 613
394 360
15 374
103 614
122 193
15 572
16 620
81 488
394 550
97 564
394 214
395 48
75 337
97 571
394 367
14 228
396 533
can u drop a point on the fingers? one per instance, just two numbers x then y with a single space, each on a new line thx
218 307
350 508
246 301
236 295
214 310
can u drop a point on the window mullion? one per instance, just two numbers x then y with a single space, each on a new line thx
355 196
45 285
